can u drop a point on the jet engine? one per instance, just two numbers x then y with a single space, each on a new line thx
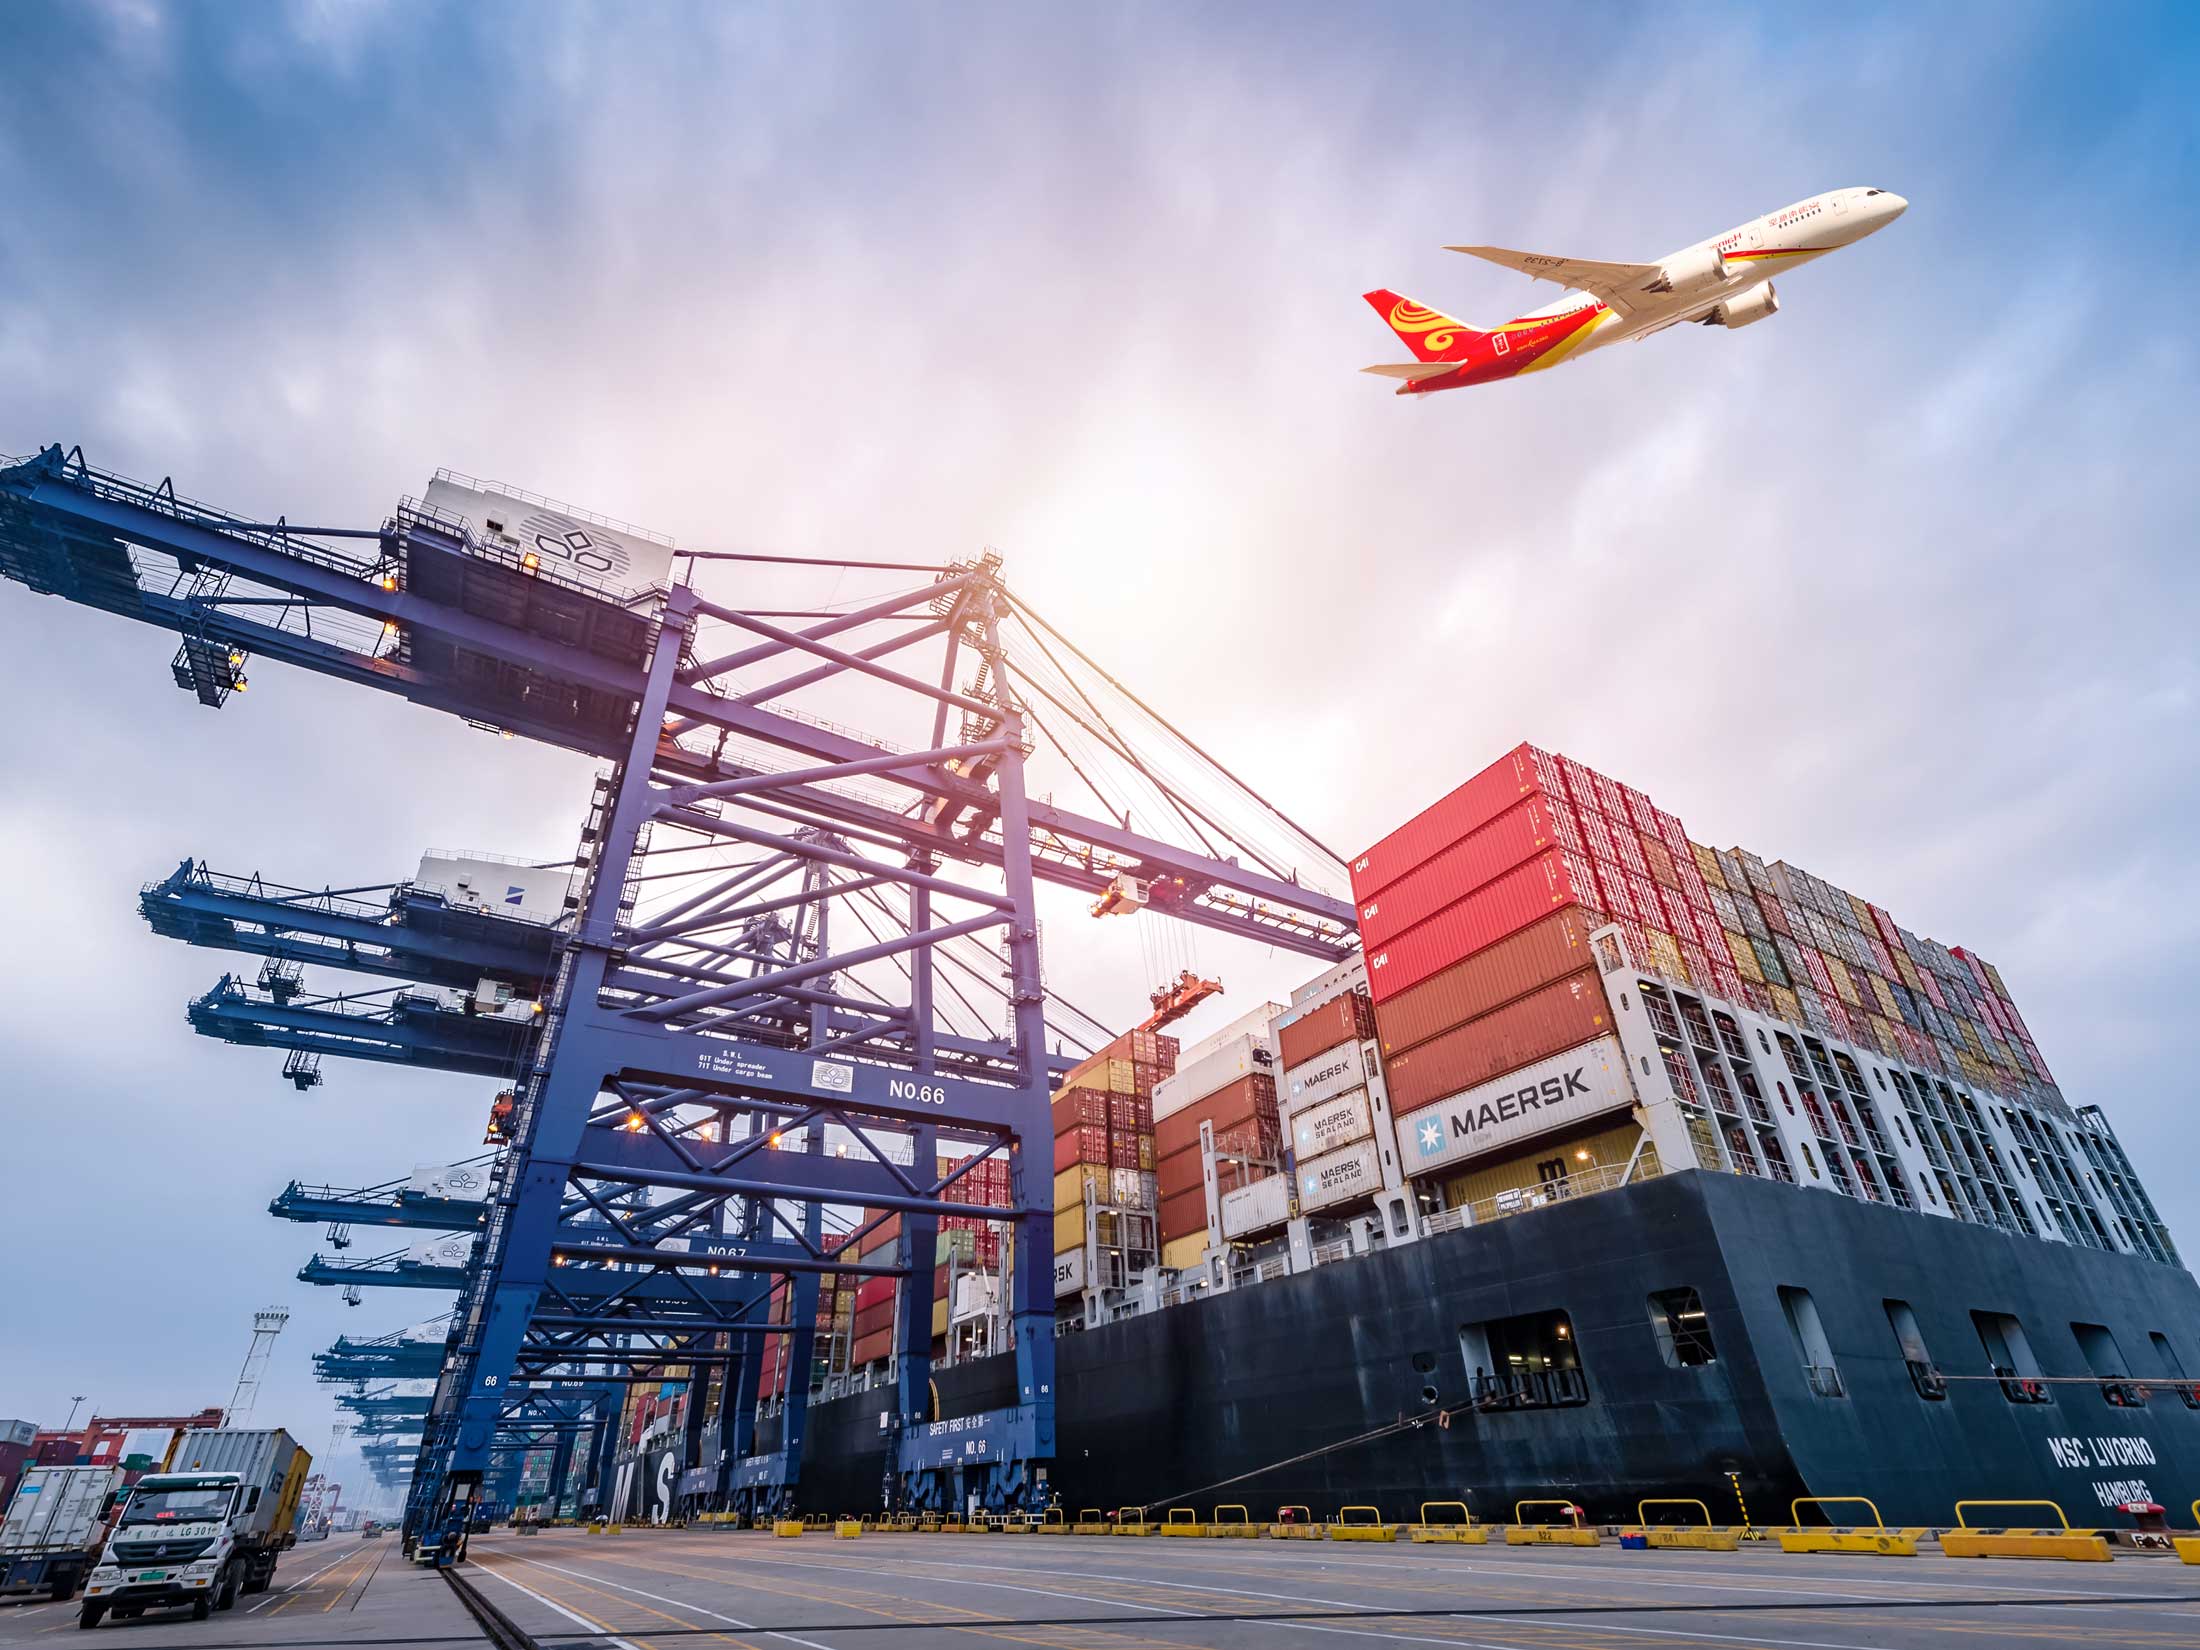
1753 305
1697 271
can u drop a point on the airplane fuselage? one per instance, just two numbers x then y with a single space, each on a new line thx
1746 258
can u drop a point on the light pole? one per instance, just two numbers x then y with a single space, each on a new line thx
74 1400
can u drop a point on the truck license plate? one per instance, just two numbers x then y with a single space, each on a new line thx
152 1575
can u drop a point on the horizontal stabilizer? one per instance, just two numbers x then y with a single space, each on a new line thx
1414 371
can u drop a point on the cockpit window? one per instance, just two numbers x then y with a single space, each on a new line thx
1875 192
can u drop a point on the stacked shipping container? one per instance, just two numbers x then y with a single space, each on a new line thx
1476 916
1232 1087
1105 1156
1329 1112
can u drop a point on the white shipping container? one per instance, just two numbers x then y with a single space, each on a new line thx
1260 1023
497 887
1334 1071
267 1459
1255 1208
1322 988
1125 1189
58 1507
1246 1053
1338 1177
468 1182
1551 1094
1341 1121
149 1446
1069 1273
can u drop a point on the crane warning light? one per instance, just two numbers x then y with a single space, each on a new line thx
1125 893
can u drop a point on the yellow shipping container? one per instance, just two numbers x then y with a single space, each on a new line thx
1993 978
1884 994
939 1317
1908 970
1185 1251
1080 1183
1708 863
1865 921
1069 1229
1745 956
1789 1005
1105 1075
1525 1171
1844 986
1665 955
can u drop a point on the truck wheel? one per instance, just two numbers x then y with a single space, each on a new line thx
225 1590
91 1615
64 1587
201 1607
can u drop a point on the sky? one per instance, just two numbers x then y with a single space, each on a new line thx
1890 588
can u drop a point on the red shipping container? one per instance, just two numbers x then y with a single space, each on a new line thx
1642 813
1581 787
1596 836
1775 915
1559 1016
1075 1106
1122 1148
1183 1215
1617 892
1660 860
871 1349
1180 1173
1548 882
871 1292
1123 1111
1346 1019
1480 857
1087 1143
1546 950
1611 799
1251 1096
1521 772
1627 844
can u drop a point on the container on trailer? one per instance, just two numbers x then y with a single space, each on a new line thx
58 1507
265 1459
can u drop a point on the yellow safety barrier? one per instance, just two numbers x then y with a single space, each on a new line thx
1466 1530
787 1526
595 1529
1242 1525
953 1526
1183 1521
1371 1528
1520 1533
2188 1546
1705 1537
1969 1540
1052 1519
1301 1528
1092 1521
614 1529
1125 1524
847 1529
1873 1538
929 1524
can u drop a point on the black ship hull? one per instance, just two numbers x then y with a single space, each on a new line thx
1251 1396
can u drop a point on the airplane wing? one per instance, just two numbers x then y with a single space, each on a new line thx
1619 285
1414 371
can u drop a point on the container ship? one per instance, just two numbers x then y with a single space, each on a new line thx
1615 1168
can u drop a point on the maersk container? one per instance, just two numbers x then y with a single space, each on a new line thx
1531 1100
1343 1068
1340 1177
1343 1121
1551 881
1519 773
1558 1016
1546 950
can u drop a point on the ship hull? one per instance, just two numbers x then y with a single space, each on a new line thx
1256 1396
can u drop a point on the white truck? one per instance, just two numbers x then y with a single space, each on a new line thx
54 1527
204 1529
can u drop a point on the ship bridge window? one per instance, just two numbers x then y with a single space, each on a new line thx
1524 1362
2009 1355
2106 1359
1683 1329
1925 1375
1811 1345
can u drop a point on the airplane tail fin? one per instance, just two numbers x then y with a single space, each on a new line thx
1430 334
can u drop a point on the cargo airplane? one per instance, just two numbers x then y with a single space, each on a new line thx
1725 281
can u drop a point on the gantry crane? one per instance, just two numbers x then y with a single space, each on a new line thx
750 1018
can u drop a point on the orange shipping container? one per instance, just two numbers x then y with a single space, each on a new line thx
1544 951
1251 1096
1559 1016
1346 1019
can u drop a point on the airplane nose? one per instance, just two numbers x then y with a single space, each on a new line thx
1894 205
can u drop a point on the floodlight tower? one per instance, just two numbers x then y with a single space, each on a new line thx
265 1327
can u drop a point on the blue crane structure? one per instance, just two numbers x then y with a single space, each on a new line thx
804 969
